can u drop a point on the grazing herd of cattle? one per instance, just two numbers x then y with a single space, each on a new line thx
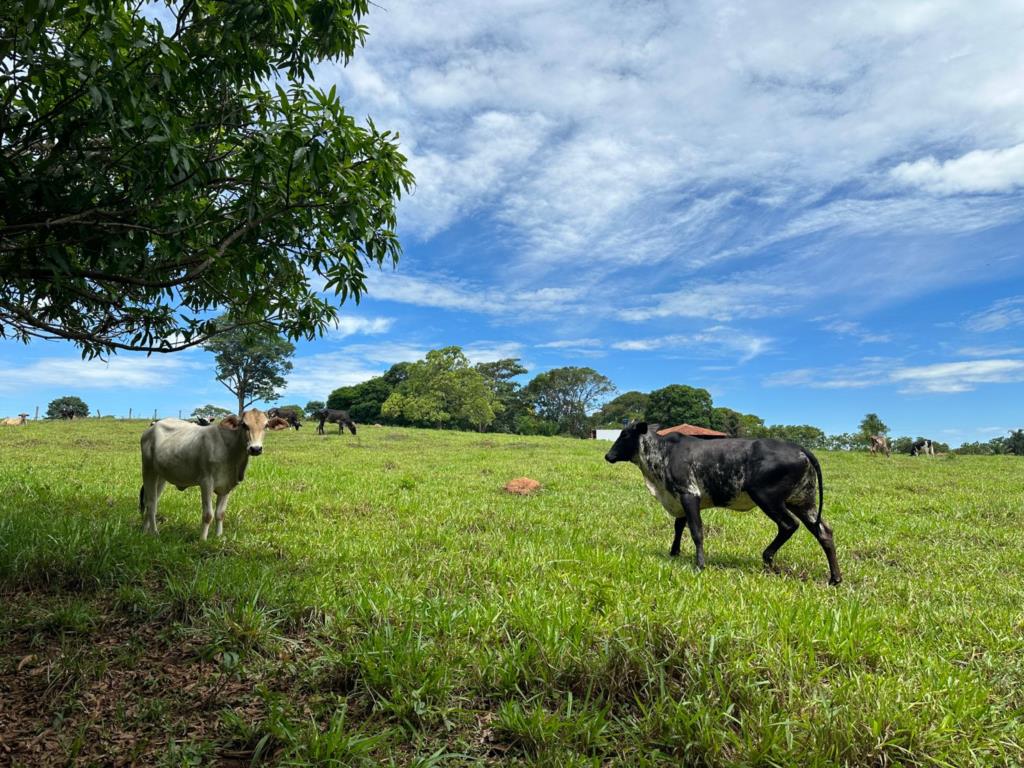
921 446
685 474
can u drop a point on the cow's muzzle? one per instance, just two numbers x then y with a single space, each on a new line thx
609 458
255 450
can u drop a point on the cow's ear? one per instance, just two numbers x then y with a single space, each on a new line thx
277 423
229 422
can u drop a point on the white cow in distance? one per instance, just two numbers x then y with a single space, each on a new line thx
214 458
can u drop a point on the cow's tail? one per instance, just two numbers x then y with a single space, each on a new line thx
821 484
142 499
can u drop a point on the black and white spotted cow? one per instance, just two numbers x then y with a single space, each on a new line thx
687 474
922 446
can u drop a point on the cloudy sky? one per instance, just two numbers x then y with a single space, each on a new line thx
812 209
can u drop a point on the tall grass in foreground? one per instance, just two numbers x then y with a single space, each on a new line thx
380 599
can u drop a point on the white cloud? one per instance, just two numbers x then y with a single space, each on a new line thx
959 376
870 372
990 351
1003 314
953 377
716 341
982 170
628 135
120 372
718 301
857 331
571 344
349 325
455 294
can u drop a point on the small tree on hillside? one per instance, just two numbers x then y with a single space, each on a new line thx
871 424
251 363
680 404
443 390
566 395
76 405
499 375
629 406
210 412
1015 442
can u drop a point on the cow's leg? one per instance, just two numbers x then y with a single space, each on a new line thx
222 505
680 525
787 527
691 505
152 487
320 426
207 493
821 530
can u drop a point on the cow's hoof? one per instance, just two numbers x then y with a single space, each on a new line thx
673 553
835 582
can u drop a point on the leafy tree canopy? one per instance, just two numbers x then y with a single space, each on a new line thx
870 425
75 404
801 434
210 411
566 395
680 404
737 424
150 178
315 405
1015 442
251 362
499 375
443 390
629 406
363 401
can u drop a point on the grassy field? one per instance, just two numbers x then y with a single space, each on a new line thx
381 600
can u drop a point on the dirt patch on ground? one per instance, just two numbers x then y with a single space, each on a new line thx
522 486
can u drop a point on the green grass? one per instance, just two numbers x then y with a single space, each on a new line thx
380 600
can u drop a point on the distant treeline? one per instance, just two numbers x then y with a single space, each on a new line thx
445 391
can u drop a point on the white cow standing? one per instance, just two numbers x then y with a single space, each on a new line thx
185 454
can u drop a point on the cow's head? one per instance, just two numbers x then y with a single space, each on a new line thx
628 443
254 423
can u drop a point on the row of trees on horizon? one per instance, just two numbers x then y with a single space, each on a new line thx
445 391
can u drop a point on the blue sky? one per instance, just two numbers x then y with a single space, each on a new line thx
813 212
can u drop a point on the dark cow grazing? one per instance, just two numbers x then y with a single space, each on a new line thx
880 445
922 446
341 418
293 418
67 414
687 474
